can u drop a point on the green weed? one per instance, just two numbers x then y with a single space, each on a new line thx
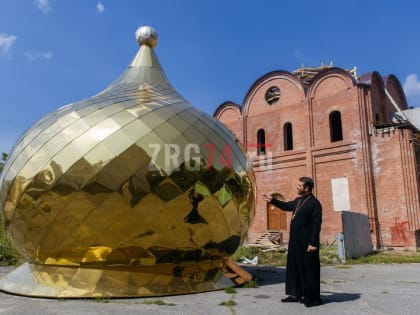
157 302
228 303
230 290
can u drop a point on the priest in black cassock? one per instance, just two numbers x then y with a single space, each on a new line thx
303 266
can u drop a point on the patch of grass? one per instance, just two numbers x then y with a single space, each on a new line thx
328 256
251 284
265 257
8 255
278 257
246 251
157 302
228 303
230 290
388 257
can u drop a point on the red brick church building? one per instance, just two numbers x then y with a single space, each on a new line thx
351 134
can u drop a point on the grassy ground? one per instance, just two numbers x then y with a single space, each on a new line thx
328 256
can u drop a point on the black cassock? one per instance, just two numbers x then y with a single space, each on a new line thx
303 268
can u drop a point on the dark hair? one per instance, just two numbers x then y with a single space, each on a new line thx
307 182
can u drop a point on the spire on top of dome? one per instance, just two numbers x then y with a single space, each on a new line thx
145 67
146 35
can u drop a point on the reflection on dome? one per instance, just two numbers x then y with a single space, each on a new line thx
132 192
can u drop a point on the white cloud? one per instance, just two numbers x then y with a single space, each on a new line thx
411 85
100 7
411 88
6 43
32 56
43 5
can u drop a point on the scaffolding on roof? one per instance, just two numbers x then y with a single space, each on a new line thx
307 74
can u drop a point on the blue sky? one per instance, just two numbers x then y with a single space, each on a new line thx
54 52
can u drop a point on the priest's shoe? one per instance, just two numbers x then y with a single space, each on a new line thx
292 299
311 303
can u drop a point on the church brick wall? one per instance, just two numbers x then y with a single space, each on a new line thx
380 166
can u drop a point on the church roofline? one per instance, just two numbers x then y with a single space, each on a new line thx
225 105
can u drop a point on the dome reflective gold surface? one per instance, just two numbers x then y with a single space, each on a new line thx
132 192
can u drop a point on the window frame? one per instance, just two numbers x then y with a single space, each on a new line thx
336 126
288 136
261 148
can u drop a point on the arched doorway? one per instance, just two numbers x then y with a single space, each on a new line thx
276 219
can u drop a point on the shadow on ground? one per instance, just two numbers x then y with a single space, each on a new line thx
334 297
266 275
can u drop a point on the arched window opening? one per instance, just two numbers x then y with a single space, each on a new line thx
288 136
261 142
336 130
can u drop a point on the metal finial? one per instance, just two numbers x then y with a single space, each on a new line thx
146 35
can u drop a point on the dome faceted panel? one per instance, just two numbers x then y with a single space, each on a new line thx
132 192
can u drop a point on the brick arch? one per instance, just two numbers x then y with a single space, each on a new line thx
258 113
227 110
289 84
230 114
332 89
393 85
342 79
377 94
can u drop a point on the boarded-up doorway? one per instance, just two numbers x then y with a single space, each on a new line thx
276 217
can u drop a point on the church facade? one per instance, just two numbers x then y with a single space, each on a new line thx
348 133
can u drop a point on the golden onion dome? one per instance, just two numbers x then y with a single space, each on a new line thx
132 192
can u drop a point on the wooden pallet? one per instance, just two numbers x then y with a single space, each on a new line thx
235 273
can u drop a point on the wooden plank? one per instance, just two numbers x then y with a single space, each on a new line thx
235 273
